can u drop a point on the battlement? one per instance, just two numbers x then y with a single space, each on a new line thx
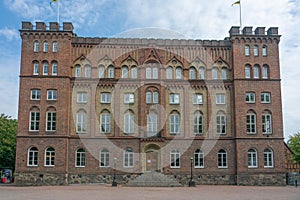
53 26
248 31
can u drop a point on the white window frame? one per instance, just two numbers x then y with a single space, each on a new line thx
201 73
154 73
174 98
224 74
81 123
45 68
32 157
128 158
265 97
256 72
34 121
198 123
252 158
54 68
81 97
134 73
105 123
105 97
152 123
36 68
178 71
267 123
169 73
104 160
124 72
255 50
45 46
87 71
111 72
247 72
264 50
214 73
222 159
265 72
268 158
49 157
250 97
192 73
220 99
51 118
80 158
155 97
77 71
174 124
129 123
221 124
198 159
55 47
101 71
175 159
251 123
197 99
247 50
129 98
148 73
35 94
149 97
51 95
36 46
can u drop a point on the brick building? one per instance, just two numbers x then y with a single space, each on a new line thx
91 105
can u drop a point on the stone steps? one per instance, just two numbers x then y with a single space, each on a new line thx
153 179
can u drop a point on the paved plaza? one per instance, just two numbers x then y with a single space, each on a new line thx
106 192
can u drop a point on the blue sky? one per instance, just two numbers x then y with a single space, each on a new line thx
198 19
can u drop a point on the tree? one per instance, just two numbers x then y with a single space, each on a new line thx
294 144
8 132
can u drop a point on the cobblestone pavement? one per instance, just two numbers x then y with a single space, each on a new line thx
103 192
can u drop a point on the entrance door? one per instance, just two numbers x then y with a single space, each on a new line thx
152 160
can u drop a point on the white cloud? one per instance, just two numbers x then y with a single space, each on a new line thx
10 34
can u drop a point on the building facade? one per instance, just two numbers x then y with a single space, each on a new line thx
92 106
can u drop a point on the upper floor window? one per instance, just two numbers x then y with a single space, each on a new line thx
81 120
175 158
152 73
248 71
198 123
220 99
104 158
151 97
54 68
252 158
36 68
46 46
111 72
251 123
45 68
128 98
247 50
265 50
32 157
101 71
265 97
49 157
222 159
105 97
124 72
201 73
77 71
134 72
35 94
129 122
36 46
128 158
197 99
224 73
214 73
175 123
51 94
55 47
169 73
174 99
152 122
81 97
80 158
105 122
268 158
178 73
192 73
221 123
250 97
51 121
255 50
256 71
265 72
88 71
267 123
199 159
34 121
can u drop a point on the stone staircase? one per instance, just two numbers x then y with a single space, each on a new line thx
153 179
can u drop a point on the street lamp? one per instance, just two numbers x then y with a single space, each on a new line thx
114 183
191 182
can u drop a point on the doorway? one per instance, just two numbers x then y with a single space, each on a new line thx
152 152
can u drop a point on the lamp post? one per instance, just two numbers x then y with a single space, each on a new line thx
191 182
114 183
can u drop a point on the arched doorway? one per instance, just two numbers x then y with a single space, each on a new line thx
152 152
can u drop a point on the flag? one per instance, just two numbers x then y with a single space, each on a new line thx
236 3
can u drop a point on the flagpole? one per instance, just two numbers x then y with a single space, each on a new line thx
241 24
58 11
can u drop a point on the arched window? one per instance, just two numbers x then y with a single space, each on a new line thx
221 123
247 50
192 73
265 50
45 68
77 71
80 158
51 120
148 97
55 47
198 123
34 119
224 73
148 73
215 73
178 73
222 159
174 123
134 72
105 122
255 50
155 73
88 71
124 72
267 122
251 122
152 122
175 158
201 73
129 122
248 71
36 68
252 158
155 97
49 157
101 71
81 120
111 72
45 46
265 72
128 158
36 46
199 159
268 158
54 68
169 73
32 157
104 158
256 71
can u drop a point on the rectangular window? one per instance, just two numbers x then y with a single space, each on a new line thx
222 160
51 121
34 121
46 47
267 124
265 97
198 124
221 124
105 97
77 72
175 159
54 69
105 123
55 47
255 50
174 124
128 98
111 72
36 69
32 158
80 158
148 73
104 159
152 123
49 158
45 69
129 123
81 123
36 46
81 97
199 159
128 159
197 99
174 99
51 95
155 73
250 97
220 99
35 95
251 123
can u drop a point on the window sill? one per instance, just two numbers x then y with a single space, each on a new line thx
80 166
254 167
222 167
175 167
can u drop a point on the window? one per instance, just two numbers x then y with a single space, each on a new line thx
256 71
169 73
252 158
247 50
267 123
87 71
34 121
152 73
248 71
155 97
81 122
35 95
128 158
265 97
224 73
148 73
36 46
54 68
199 159
268 158
55 47
32 159
128 98
214 73
221 123
155 73
198 123
46 46
101 71
197 99
152 123
175 159
251 123
255 50
51 94
77 71
81 97
134 72
111 72
49 157
124 72
51 121
36 68
105 123
104 158
264 50
105 97
222 159
201 73
80 158
178 73
149 97
265 72
220 99
174 98
45 68
174 123
192 73
129 122
250 97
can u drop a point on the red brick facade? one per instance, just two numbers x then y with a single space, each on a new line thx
161 80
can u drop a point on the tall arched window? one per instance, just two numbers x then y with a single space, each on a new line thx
104 158
45 68
124 72
88 71
221 123
224 73
111 72
174 123
256 71
54 47
265 72
175 158
129 122
50 157
255 50
192 73
148 73
51 120
199 159
134 72
45 46
101 71
105 122
148 97
222 159
268 158
267 122
215 73
32 157
152 122
36 68
155 97
178 73
251 122
34 123
247 50
201 73
198 123
80 158
252 158
77 71
36 46
264 50
54 68
248 71
81 122
169 73
128 158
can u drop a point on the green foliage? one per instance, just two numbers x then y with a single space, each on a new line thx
8 132
294 144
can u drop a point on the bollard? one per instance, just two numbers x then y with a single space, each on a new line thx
296 183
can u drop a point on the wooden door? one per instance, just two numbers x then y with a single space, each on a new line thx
152 161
